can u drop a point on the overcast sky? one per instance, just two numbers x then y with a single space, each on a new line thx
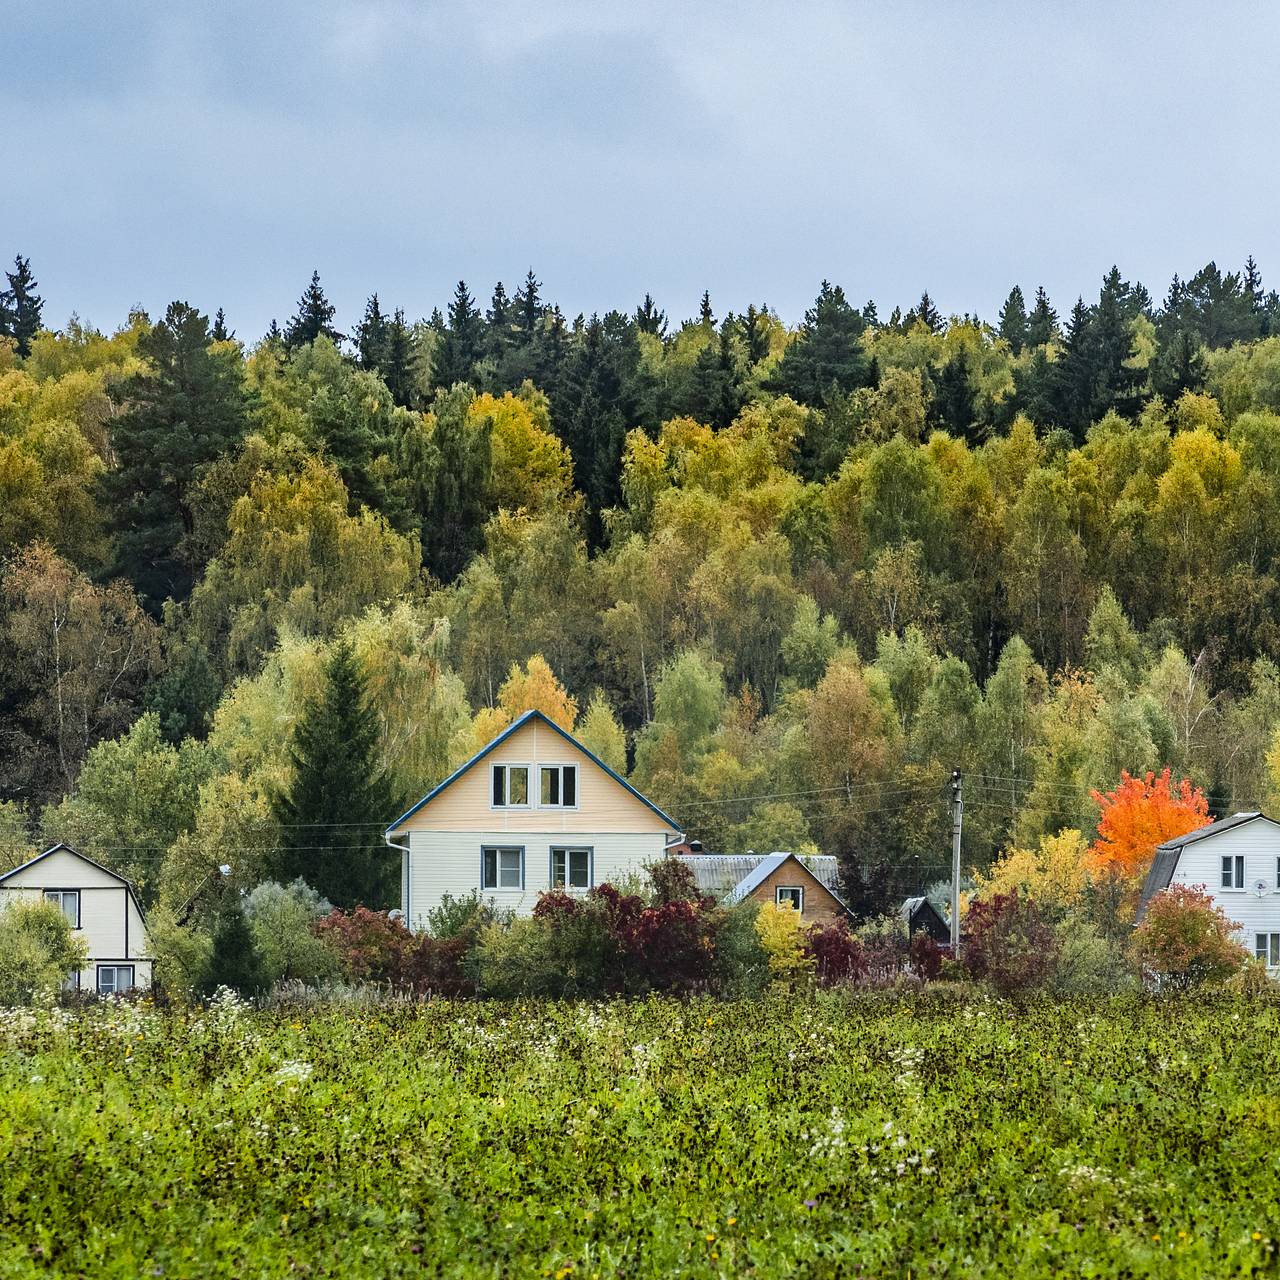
218 152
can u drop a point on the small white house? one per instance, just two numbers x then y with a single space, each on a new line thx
101 906
534 810
1237 861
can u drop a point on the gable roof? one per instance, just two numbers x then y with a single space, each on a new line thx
528 717
731 877
61 847
1165 863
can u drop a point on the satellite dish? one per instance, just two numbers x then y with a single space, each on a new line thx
1259 887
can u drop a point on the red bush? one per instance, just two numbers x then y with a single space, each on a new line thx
1006 941
837 955
668 947
927 955
1185 940
371 947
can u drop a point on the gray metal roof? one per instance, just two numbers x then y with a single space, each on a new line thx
1165 863
730 877
1213 829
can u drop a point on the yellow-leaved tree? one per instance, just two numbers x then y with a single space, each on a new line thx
531 688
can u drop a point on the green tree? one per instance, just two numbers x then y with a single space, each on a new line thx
826 354
463 340
20 306
314 318
234 961
1013 320
185 410
1042 323
38 950
338 798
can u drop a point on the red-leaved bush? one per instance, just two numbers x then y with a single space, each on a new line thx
1185 940
1006 941
927 955
373 948
837 955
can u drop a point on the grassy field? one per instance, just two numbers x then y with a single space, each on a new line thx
816 1136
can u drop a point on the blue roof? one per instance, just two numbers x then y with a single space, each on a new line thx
518 723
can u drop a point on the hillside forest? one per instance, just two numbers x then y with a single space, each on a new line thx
786 579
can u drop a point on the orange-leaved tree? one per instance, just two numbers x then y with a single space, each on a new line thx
1140 814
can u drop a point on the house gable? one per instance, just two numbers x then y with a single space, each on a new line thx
62 867
606 802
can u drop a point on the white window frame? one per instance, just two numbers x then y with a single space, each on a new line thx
567 850
789 889
1266 947
116 989
498 850
1232 875
559 770
60 896
506 766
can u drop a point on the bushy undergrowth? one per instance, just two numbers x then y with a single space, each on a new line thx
828 1134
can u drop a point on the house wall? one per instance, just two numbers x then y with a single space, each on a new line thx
443 862
110 921
820 907
603 804
1259 842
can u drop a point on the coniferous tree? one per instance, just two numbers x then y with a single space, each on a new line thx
955 398
649 319
827 354
20 306
1179 367
1042 323
1013 320
463 340
314 318
927 313
706 316
754 337
500 324
274 336
529 308
185 411
371 336
339 797
1077 373
397 368
234 962
715 393
220 332
870 314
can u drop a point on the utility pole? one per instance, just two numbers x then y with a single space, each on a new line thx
957 818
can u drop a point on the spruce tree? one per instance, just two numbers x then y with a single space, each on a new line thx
20 306
955 399
314 318
754 337
338 799
234 962
397 370
706 317
463 340
220 332
1013 320
371 336
186 410
827 354
1179 366
1042 324
927 313
649 319
529 308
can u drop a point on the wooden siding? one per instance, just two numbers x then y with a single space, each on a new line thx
820 905
604 805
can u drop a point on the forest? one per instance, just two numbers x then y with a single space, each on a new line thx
786 578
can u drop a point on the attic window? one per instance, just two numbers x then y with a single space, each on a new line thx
790 895
1233 872
510 786
559 789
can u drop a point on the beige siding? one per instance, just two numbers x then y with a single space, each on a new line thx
604 805
443 862
62 870
820 905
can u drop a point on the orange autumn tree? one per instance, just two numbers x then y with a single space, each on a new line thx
1140 814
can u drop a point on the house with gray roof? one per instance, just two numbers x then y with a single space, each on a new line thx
808 882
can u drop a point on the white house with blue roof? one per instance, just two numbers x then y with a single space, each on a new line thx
534 810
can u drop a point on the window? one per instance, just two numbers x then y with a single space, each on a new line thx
1233 872
571 868
502 868
69 901
559 786
72 981
1267 948
114 979
510 785
790 895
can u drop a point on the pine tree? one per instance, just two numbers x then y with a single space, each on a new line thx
185 411
220 332
649 319
371 336
1013 320
338 798
827 353
20 306
1042 324
314 318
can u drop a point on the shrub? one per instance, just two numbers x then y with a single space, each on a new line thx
460 917
282 919
668 947
926 956
369 944
1008 943
836 954
783 938
886 949
1087 963
741 965
234 961
1184 940
38 950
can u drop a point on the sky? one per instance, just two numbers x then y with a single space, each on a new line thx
218 153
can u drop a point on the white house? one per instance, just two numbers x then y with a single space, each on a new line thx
533 810
1237 860
101 906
